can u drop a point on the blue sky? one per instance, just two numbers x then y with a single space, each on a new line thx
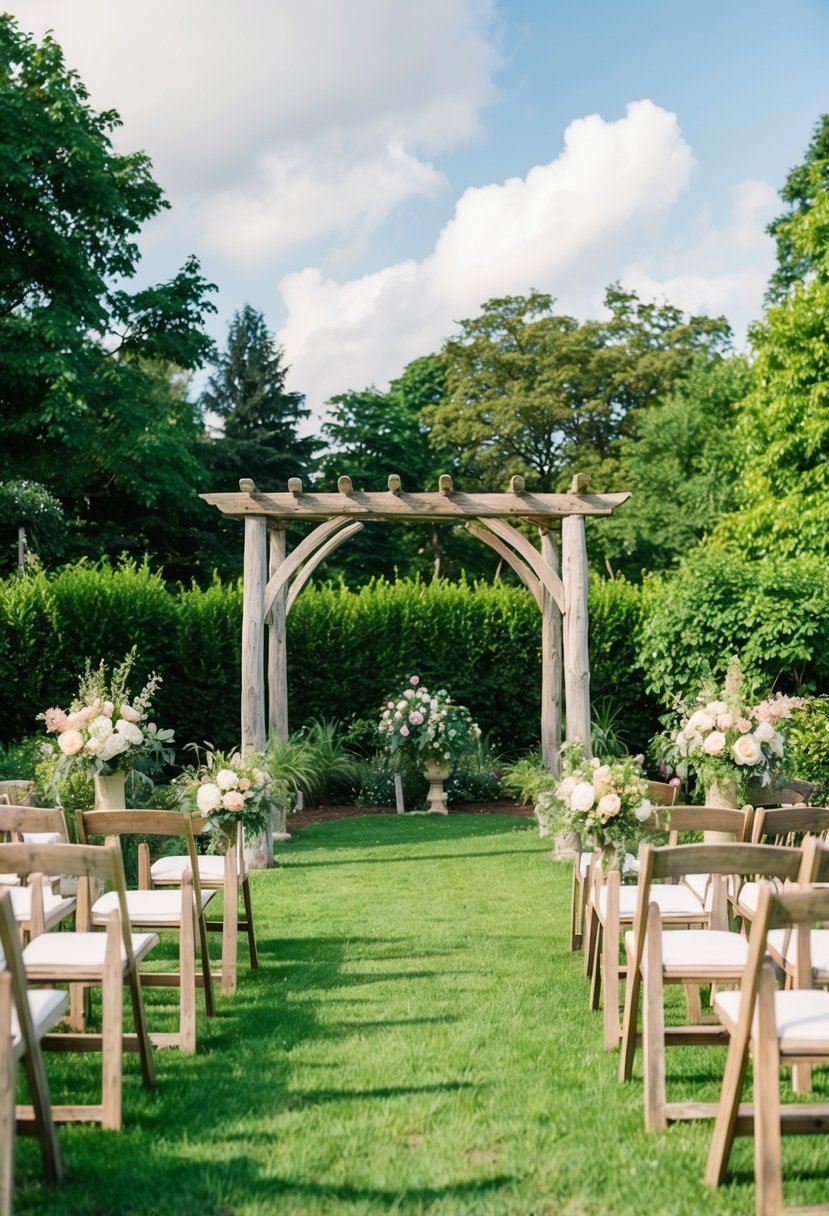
366 172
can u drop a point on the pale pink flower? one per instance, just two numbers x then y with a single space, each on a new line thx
675 782
404 730
414 681
70 742
77 720
747 751
725 721
56 719
233 800
765 732
416 718
129 714
743 726
639 758
714 743
244 784
609 806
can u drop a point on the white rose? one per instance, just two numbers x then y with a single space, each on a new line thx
714 743
583 796
609 806
764 732
644 810
128 731
776 745
70 742
208 798
747 751
715 708
101 727
701 721
226 779
112 746
565 788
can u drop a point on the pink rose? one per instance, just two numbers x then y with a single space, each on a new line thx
414 681
416 718
725 721
639 758
714 743
743 726
233 800
70 742
404 730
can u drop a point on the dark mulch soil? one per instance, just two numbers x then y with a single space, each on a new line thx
320 814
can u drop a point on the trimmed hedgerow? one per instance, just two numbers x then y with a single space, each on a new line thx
346 649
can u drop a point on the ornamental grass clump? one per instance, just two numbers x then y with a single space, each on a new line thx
604 803
417 726
723 737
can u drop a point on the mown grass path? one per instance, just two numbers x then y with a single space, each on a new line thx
417 1041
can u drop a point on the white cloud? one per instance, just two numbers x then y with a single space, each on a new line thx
725 271
290 119
566 228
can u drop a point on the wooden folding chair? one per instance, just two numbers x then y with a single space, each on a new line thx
774 1028
788 825
181 910
26 1015
83 957
16 792
614 905
658 956
662 793
40 907
217 872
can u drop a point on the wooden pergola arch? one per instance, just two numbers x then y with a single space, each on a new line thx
273 579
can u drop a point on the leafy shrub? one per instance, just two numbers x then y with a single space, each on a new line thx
807 743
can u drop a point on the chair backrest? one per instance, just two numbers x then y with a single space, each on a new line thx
143 823
789 824
662 792
11 960
82 861
16 791
674 861
19 822
783 791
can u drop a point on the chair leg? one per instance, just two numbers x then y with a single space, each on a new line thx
7 1096
726 1120
588 936
139 1017
653 1026
575 896
230 923
633 988
768 1161
112 1029
610 981
254 958
187 970
207 974
596 963
693 1004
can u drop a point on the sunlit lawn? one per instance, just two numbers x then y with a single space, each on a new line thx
417 1040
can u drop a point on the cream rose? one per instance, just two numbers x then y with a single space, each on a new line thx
747 751
233 800
701 721
583 796
609 805
226 779
715 708
565 788
208 798
725 721
765 732
101 727
714 743
128 714
70 742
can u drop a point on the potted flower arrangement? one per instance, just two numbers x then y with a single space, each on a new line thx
725 741
225 789
427 731
105 734
606 803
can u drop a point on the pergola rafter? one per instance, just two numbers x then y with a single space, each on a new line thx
273 578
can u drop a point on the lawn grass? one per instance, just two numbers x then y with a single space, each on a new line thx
417 1040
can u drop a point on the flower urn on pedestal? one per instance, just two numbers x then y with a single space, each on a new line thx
110 794
436 773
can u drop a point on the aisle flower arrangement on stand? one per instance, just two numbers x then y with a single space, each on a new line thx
606 803
226 788
105 732
419 726
724 741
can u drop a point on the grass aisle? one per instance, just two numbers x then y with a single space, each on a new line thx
416 1041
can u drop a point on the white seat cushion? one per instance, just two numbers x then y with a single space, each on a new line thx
145 907
77 953
55 908
748 897
672 901
708 950
42 838
782 945
47 1006
802 1015
9 880
212 868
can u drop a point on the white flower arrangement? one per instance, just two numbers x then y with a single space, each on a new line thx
227 788
604 802
418 725
106 732
722 737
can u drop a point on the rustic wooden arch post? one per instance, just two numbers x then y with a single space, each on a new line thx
269 569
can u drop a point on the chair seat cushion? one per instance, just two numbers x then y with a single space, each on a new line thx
212 868
9 880
42 838
74 954
782 944
802 1015
55 908
711 951
47 1006
675 901
145 907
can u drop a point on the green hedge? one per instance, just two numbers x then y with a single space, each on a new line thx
346 649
